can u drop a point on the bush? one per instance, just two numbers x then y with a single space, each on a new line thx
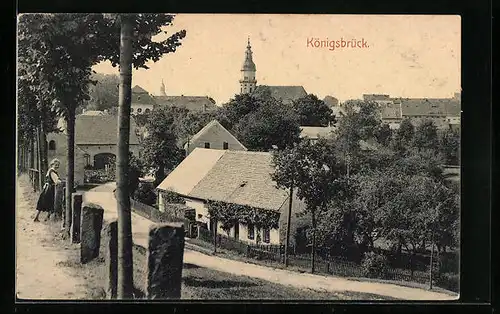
173 198
375 265
145 194
448 281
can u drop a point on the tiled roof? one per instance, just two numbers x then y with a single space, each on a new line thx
375 97
286 93
331 101
429 106
194 103
213 124
191 171
102 129
390 111
238 177
141 96
139 90
313 132
244 178
93 113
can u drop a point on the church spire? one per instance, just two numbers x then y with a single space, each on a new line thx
162 89
248 82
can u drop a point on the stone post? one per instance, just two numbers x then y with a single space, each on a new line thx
91 225
165 258
58 200
112 259
77 214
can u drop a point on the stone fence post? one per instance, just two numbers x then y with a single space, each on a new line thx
91 225
77 214
112 259
58 199
165 258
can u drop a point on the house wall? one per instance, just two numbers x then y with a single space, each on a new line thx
60 153
134 108
216 136
200 209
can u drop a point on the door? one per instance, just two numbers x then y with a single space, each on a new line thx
237 231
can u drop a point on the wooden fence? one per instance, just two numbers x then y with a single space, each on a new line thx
331 265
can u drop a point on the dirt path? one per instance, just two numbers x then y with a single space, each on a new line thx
38 271
140 227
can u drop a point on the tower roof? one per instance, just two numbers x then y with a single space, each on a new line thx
248 64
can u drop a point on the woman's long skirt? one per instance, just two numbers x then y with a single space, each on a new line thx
46 200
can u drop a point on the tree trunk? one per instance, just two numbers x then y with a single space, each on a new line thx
43 150
159 175
39 159
125 264
70 167
287 243
214 231
313 248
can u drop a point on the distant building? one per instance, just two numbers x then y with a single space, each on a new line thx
444 112
313 133
94 112
213 136
95 143
287 94
192 103
237 177
248 82
331 101
142 101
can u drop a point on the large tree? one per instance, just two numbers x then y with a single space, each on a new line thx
103 92
426 136
314 172
403 139
160 147
272 124
63 48
449 146
361 122
232 112
312 111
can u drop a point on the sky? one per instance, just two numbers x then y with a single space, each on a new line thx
406 55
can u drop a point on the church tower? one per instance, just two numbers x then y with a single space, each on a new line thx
248 81
162 89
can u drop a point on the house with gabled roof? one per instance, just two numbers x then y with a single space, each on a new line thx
142 101
313 133
287 94
191 103
96 138
236 177
215 136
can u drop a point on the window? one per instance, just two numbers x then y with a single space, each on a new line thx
207 145
147 110
87 159
131 110
139 110
251 231
52 145
267 235
225 145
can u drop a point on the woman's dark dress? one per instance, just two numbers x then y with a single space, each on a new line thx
46 200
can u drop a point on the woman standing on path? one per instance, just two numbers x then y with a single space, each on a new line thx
46 200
